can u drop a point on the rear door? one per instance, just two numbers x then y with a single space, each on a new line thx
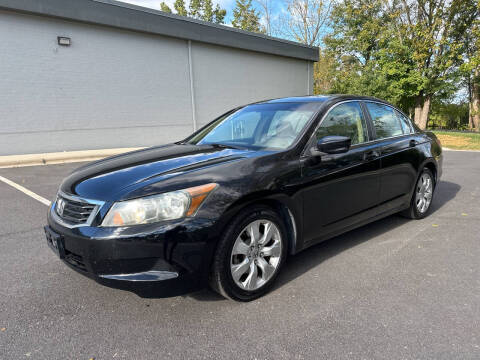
339 188
396 140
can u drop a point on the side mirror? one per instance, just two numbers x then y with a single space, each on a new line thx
334 144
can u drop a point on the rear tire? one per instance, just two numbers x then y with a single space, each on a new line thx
250 254
422 196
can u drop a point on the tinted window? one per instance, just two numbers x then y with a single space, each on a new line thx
405 122
269 125
384 120
345 120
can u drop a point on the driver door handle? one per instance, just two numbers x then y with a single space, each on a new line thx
371 155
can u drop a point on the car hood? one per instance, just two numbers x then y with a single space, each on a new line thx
109 178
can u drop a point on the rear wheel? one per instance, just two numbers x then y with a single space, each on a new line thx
249 255
422 196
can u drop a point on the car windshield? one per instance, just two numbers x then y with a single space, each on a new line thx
258 126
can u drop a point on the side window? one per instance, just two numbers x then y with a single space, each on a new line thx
405 122
345 120
384 120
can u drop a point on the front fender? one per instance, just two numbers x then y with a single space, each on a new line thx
288 207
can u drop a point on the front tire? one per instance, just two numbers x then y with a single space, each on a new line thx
422 196
250 254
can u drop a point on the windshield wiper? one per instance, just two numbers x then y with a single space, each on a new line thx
223 146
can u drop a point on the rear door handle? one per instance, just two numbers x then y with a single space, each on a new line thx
371 155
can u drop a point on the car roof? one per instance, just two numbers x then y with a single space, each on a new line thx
321 99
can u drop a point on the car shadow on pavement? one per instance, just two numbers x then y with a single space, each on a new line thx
444 192
313 256
306 260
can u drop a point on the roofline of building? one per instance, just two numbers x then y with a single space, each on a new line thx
136 18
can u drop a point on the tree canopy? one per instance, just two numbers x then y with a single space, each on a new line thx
165 8
245 17
198 9
406 51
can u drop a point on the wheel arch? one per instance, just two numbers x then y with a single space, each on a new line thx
280 203
430 165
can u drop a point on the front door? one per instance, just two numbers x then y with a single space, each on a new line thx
339 188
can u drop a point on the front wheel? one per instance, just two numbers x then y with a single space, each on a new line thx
249 255
422 196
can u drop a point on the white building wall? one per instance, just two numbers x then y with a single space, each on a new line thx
113 88
225 78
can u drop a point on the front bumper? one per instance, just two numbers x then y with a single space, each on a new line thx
151 260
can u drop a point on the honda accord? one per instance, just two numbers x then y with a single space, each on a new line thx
227 205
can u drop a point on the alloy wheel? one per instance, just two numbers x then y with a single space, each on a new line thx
424 193
256 254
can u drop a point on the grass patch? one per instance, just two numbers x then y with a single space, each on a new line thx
459 140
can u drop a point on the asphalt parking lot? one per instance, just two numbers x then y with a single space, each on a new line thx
394 289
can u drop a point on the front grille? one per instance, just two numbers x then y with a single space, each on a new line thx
74 212
75 260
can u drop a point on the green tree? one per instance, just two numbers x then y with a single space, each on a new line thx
358 27
474 65
165 8
449 116
219 15
401 50
356 46
324 73
201 10
195 9
469 37
180 8
208 12
245 17
204 10
426 27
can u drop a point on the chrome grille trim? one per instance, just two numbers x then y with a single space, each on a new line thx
88 210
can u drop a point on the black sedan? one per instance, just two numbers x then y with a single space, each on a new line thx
227 205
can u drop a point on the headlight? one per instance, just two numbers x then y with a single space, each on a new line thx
167 206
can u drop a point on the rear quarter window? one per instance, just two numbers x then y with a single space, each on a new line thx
406 123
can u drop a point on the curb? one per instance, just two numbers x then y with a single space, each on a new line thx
448 149
10 161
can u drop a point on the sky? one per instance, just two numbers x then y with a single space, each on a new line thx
224 4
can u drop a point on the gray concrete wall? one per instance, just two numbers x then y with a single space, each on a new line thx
116 88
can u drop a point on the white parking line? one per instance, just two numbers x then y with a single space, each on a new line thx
25 191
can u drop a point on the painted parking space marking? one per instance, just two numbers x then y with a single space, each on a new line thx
25 191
